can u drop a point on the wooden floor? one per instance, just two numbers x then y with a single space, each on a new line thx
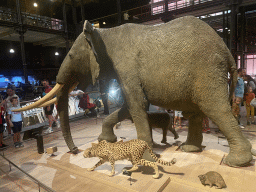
67 172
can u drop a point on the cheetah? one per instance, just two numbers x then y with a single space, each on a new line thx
132 150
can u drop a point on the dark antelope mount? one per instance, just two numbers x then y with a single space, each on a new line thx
181 65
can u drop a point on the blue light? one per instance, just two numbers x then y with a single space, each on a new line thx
3 81
15 79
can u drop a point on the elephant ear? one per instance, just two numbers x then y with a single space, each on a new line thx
95 68
88 28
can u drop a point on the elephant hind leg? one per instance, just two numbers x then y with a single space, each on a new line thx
219 111
195 137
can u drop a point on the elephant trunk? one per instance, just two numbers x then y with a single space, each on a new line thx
62 100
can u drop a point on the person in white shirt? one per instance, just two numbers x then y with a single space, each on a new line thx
7 104
15 121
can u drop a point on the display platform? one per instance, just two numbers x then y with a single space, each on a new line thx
67 172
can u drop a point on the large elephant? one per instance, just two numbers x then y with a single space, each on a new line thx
181 65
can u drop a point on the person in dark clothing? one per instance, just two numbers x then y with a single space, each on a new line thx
2 121
85 104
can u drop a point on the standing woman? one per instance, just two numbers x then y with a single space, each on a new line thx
249 96
250 83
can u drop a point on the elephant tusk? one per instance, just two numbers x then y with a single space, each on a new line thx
53 92
47 103
54 100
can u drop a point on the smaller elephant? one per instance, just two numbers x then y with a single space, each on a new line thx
160 120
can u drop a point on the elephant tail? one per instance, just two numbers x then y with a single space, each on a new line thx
233 76
167 163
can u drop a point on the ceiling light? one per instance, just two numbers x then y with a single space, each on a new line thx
12 51
104 22
57 53
35 5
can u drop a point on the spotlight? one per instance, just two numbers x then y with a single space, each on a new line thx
12 51
57 53
104 22
35 5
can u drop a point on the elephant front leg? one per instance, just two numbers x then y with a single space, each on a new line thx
195 137
109 123
140 118
136 100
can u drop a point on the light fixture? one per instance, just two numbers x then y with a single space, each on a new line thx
57 53
104 22
35 5
12 51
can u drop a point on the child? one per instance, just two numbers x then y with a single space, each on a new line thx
2 124
15 120
235 107
178 115
206 128
249 109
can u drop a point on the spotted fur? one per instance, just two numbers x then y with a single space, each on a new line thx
132 150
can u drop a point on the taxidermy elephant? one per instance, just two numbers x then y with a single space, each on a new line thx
181 65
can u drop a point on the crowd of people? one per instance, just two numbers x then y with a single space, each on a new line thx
243 95
13 120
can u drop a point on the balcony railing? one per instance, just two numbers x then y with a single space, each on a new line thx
8 15
159 6
146 11
42 21
31 19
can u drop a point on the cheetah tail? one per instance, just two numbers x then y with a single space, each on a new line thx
167 163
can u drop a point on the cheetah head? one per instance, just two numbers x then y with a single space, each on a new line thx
89 152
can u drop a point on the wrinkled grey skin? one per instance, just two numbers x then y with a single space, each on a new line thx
180 65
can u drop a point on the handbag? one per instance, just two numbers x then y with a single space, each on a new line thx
3 119
11 124
253 102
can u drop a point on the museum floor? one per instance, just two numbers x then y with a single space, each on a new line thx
67 172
